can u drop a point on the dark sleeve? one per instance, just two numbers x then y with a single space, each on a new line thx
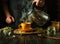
4 1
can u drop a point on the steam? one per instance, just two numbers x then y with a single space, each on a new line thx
26 12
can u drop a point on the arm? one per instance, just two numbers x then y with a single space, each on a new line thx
5 7
9 18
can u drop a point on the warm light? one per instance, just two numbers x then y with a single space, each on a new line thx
23 25
26 26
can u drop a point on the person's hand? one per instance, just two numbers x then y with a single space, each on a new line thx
39 2
36 1
9 19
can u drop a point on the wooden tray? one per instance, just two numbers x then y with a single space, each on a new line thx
23 32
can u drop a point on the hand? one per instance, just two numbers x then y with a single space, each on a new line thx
39 3
9 19
36 1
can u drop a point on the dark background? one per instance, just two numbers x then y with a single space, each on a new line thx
51 7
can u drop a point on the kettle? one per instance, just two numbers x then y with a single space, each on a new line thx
39 17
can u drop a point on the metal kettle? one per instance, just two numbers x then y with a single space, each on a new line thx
39 17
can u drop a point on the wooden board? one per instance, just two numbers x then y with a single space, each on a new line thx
23 32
